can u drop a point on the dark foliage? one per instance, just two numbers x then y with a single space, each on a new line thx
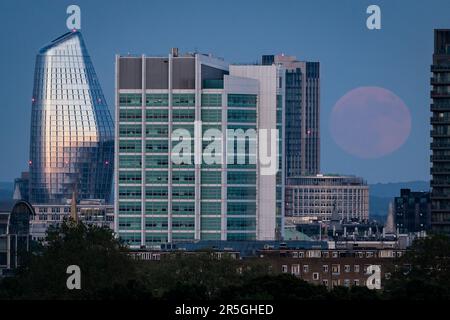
423 273
108 272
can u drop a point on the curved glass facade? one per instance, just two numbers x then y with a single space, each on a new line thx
72 133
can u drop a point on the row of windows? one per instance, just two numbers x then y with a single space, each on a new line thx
134 238
157 115
233 193
186 115
162 161
209 223
155 223
187 99
242 100
160 99
206 208
155 238
156 131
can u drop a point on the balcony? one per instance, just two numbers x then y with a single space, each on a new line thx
440 120
440 182
437 158
440 145
440 170
440 195
440 107
439 81
439 94
440 68
436 133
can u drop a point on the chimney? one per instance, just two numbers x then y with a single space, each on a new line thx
174 52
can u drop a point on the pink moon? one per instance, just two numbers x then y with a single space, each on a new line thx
370 122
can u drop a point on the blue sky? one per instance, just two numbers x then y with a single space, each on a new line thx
397 58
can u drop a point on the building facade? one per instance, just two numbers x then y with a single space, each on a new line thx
302 113
330 264
337 267
72 134
92 212
160 199
412 211
270 94
318 197
440 133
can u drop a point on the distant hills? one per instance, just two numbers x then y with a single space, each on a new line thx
392 189
382 193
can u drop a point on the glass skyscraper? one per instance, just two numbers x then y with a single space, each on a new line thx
302 139
72 133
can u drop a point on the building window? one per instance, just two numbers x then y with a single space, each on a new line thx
335 254
305 268
346 283
315 276
336 268
356 282
284 268
295 269
347 268
325 282
301 255
325 268
295 254
356 268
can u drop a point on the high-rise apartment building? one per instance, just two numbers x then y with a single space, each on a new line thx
161 199
440 133
302 107
72 135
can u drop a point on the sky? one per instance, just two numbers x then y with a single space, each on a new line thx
397 57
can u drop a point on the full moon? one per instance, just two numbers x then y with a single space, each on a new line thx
370 122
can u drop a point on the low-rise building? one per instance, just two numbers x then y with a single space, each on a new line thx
335 267
343 263
317 197
93 212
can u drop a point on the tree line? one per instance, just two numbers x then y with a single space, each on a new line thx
109 272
